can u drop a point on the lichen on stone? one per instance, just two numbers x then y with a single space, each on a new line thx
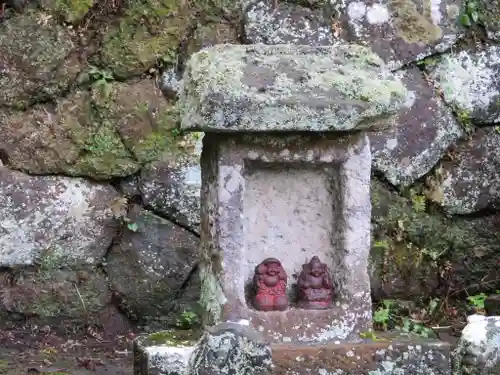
212 297
286 87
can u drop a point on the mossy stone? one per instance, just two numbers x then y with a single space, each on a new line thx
150 31
73 11
412 25
34 58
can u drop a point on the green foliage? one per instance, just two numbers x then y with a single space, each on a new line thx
382 315
101 79
471 13
388 315
187 320
418 201
73 10
477 300
132 226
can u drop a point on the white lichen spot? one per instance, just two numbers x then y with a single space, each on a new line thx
253 155
377 14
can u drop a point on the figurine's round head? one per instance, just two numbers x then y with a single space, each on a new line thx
273 266
317 268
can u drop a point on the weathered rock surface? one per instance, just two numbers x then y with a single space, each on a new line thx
391 354
173 189
489 17
401 31
210 33
287 23
471 180
478 351
470 83
109 132
70 217
149 32
420 137
287 87
163 353
149 268
56 292
492 305
36 62
419 254
231 348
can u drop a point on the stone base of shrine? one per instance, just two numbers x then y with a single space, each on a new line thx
372 357
385 355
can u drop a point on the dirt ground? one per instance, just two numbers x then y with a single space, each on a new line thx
40 350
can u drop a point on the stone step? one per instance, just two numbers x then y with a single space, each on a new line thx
400 356
165 354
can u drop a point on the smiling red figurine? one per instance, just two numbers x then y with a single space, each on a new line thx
315 286
270 282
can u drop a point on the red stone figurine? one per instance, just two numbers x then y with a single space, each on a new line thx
315 286
270 282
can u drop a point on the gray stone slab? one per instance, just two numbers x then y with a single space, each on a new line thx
470 179
231 348
401 31
287 23
260 88
478 350
163 353
470 83
383 356
422 133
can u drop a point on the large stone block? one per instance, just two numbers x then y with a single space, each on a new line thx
397 356
290 198
478 351
163 353
231 348
258 88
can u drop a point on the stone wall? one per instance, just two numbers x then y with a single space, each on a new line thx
99 192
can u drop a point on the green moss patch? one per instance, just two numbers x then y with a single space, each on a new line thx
177 338
412 25
149 31
72 11
420 253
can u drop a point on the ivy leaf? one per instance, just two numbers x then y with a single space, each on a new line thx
133 227
465 20
475 16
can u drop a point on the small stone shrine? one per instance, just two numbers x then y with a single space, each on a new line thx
285 204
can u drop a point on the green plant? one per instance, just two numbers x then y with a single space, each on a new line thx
471 13
418 201
389 314
477 300
101 79
433 254
187 320
382 315
427 62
